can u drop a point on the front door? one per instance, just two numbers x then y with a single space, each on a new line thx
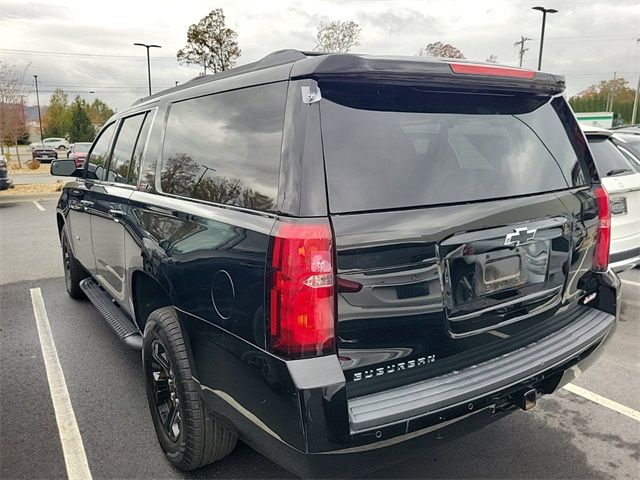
80 201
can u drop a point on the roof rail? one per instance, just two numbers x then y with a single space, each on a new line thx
279 57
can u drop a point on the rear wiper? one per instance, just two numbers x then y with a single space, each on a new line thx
617 171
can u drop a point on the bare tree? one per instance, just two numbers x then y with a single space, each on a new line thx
211 43
12 123
439 49
12 126
492 58
337 36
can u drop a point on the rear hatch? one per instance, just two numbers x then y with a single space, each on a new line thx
462 217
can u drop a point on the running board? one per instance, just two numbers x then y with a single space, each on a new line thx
117 320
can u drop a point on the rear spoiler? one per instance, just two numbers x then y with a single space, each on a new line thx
408 70
597 133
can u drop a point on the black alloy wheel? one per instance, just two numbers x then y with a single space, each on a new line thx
73 271
163 381
66 261
188 435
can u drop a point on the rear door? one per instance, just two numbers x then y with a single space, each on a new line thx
110 207
461 223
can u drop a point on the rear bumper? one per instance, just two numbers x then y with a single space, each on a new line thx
5 183
370 450
621 261
322 433
477 382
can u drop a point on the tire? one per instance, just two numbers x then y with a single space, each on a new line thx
190 438
74 273
61 148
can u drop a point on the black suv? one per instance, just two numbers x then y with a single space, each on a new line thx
341 258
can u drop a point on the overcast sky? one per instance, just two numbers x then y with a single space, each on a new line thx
86 45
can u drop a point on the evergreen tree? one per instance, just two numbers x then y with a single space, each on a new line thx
56 120
81 129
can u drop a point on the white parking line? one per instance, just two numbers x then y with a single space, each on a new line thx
636 284
72 447
605 402
38 206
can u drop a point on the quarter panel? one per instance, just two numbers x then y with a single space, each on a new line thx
210 260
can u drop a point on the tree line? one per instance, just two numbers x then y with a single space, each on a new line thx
77 120
606 96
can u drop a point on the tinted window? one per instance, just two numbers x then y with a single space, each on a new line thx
81 147
134 169
124 148
99 156
225 148
397 146
609 160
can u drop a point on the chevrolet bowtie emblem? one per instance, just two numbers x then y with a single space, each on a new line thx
520 236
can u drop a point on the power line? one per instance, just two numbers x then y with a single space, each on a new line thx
71 54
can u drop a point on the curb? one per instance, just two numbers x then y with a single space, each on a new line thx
28 197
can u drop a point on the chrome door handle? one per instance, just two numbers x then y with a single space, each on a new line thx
116 214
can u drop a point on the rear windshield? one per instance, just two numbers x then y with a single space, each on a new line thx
81 147
389 146
609 160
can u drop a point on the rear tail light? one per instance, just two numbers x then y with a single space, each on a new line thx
603 234
302 291
491 70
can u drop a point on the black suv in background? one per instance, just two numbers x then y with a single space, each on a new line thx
342 258
5 179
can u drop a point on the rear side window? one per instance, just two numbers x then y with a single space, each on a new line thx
225 148
389 146
609 160
124 148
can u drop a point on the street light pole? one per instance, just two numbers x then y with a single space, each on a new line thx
635 99
39 116
148 61
544 20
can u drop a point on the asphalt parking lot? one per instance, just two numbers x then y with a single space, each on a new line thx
590 432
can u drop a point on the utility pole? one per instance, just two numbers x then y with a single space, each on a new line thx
635 99
22 104
522 49
611 94
39 116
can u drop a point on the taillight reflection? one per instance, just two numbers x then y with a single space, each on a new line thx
603 234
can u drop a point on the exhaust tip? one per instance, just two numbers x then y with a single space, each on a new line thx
529 399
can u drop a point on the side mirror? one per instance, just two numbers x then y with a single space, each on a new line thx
64 168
